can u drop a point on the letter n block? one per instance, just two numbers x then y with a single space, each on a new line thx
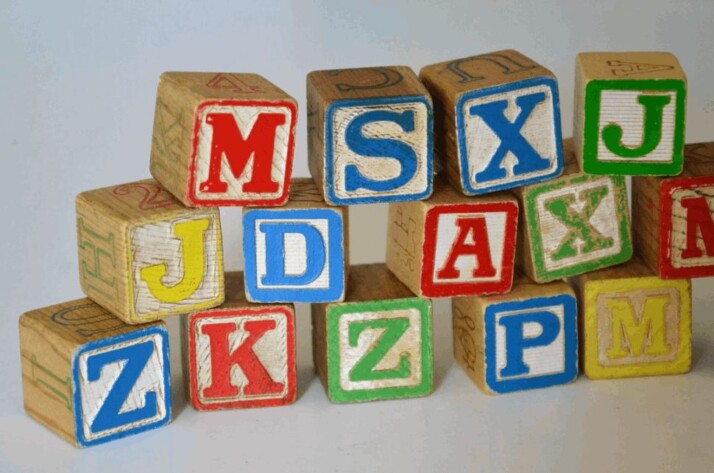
91 378
497 121
377 344
144 256
634 323
223 139
370 135
629 113
525 339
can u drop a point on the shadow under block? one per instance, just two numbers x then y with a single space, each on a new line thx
144 256
298 252
223 139
634 323
369 135
89 377
673 218
240 354
496 121
629 113
525 339
572 224
377 344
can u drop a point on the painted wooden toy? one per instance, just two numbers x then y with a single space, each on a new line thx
89 377
223 139
377 344
497 121
629 113
369 135
525 339
143 255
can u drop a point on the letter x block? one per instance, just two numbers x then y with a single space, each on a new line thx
497 121
240 354
91 378
377 344
296 253
223 139
673 218
452 245
525 339
573 224
370 135
144 256
629 113
634 323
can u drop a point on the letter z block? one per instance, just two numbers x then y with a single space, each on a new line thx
223 139
144 256
370 135
497 121
377 344
89 377
629 113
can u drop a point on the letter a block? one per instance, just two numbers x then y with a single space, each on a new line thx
526 339
89 377
296 253
144 256
629 113
370 135
377 344
634 323
223 139
497 121
240 354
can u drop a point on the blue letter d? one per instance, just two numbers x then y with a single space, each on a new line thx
315 250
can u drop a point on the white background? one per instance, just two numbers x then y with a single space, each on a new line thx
77 91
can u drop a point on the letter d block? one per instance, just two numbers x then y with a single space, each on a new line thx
89 377
223 139
377 344
144 256
370 135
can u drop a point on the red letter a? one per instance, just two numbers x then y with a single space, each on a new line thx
698 216
480 249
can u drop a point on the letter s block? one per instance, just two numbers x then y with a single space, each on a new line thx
370 135
144 256
629 113
223 139
89 377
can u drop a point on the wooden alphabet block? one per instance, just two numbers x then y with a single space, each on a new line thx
223 139
451 245
497 121
573 224
370 135
89 377
240 354
629 113
298 252
525 339
634 323
673 218
144 256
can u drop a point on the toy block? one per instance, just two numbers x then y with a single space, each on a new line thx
240 354
525 339
629 113
496 121
572 224
144 256
633 323
452 245
673 218
369 135
375 345
298 252
223 139
89 377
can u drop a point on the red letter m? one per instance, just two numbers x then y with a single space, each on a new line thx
698 217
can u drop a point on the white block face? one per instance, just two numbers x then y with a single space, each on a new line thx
679 227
